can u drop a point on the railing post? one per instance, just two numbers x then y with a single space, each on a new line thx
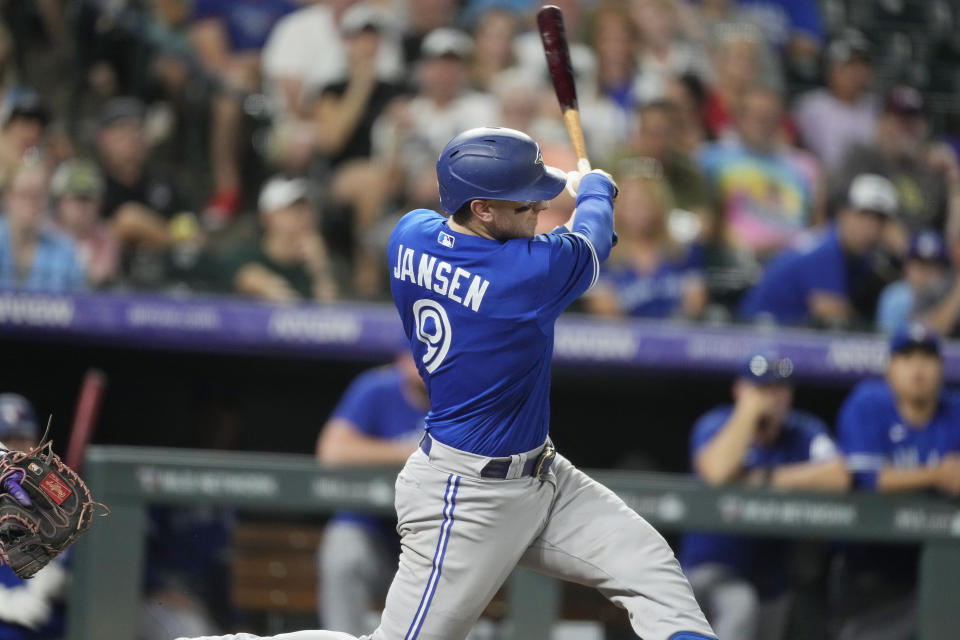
534 605
938 594
107 567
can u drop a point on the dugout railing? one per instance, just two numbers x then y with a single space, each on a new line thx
109 561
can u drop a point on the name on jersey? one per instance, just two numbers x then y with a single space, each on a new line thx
425 270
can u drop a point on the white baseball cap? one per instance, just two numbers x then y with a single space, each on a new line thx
279 192
446 42
363 16
872 192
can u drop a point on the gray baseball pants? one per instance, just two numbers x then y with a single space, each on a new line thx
462 535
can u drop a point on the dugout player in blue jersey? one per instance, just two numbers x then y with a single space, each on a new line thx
378 421
743 583
900 434
478 292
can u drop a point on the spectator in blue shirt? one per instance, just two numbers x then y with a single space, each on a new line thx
817 283
29 609
33 256
795 27
379 421
649 274
900 434
742 583
924 283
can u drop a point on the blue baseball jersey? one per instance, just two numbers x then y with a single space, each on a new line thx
791 276
873 435
657 293
803 438
16 595
480 314
376 406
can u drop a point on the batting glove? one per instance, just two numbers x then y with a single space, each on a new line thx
574 177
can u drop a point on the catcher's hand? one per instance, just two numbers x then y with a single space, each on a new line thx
44 507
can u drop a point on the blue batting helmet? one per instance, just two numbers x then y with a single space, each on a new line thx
496 164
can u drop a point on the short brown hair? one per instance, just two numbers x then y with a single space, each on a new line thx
462 215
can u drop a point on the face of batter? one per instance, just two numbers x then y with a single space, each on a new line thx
507 219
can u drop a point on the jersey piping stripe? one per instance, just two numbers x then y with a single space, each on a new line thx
449 502
596 262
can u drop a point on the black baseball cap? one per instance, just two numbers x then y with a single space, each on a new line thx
123 109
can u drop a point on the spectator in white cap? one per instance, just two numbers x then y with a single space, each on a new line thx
307 51
409 136
818 283
343 115
414 133
290 260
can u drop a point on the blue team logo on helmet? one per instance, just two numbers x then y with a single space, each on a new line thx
497 164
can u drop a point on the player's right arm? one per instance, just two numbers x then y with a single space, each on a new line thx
718 456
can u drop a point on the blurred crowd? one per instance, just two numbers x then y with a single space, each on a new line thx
775 165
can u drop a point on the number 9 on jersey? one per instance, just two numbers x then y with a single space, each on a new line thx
433 329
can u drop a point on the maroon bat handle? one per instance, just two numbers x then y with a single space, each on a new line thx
554 37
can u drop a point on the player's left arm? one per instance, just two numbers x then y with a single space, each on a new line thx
593 215
574 257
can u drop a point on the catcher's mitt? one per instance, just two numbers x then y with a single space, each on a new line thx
44 507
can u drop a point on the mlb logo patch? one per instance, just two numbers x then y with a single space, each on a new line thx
56 488
35 468
446 239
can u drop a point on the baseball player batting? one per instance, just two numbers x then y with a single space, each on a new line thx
478 293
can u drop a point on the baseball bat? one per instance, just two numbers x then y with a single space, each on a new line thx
556 48
85 416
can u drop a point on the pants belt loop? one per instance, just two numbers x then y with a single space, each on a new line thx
516 467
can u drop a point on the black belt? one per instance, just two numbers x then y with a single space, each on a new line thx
500 467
